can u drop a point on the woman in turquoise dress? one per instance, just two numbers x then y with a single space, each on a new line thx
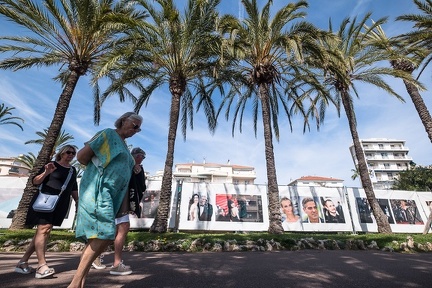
102 189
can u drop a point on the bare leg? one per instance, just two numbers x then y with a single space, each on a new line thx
93 249
40 242
23 263
122 230
30 250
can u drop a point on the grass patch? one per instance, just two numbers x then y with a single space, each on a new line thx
286 239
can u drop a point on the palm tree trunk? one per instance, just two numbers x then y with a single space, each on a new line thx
275 225
160 222
413 92
421 108
381 218
19 219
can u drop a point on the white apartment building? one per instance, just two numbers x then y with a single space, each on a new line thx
385 159
215 173
10 166
317 181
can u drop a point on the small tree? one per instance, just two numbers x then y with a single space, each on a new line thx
417 178
6 118
28 160
62 139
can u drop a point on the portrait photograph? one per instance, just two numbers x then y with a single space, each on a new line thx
406 212
364 210
332 210
199 207
150 203
238 208
311 210
290 215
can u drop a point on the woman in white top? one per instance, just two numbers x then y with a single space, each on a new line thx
234 212
193 209
292 221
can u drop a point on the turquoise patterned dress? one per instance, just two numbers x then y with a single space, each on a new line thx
103 186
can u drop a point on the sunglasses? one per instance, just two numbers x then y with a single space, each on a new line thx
136 127
70 152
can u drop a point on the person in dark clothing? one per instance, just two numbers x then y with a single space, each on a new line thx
331 214
52 176
137 184
205 210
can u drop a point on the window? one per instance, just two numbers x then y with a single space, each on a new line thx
390 175
14 170
381 146
386 165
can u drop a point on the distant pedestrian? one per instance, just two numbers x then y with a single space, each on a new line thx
131 203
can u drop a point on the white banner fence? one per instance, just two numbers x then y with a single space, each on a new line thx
229 207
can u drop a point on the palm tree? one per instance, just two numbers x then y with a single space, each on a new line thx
419 43
271 73
62 139
353 61
5 117
355 174
406 57
68 33
28 160
79 167
175 50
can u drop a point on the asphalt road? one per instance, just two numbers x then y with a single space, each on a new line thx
305 268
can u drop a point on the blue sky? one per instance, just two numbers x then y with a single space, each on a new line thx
321 153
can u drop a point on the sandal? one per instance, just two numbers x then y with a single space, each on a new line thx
48 272
23 268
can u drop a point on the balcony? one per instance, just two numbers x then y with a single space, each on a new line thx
405 158
386 148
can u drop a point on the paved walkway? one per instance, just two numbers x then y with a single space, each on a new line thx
303 269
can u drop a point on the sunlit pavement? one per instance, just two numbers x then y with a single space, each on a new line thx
305 268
